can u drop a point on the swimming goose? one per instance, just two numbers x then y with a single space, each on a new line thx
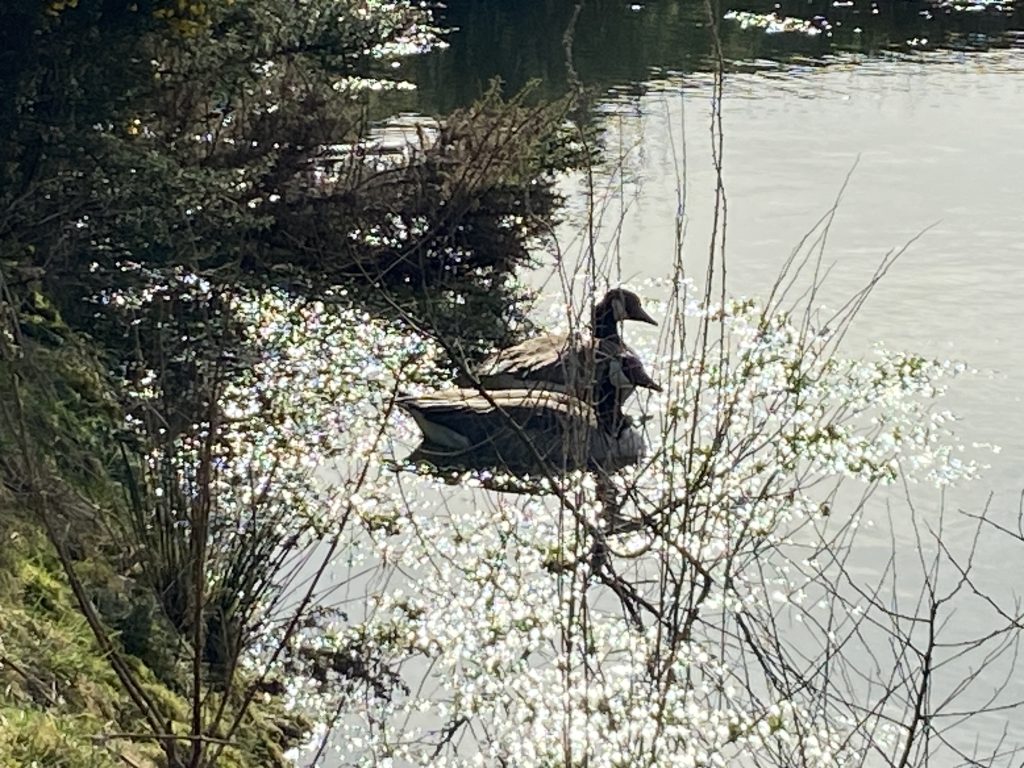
563 362
522 430
525 430
625 374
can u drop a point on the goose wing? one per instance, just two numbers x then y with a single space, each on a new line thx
520 404
556 362
460 418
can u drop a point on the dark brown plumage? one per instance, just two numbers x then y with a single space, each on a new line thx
532 430
569 363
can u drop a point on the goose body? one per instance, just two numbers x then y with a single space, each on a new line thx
564 362
521 430
557 362
552 403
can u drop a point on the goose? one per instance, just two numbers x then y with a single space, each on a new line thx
528 429
563 362
625 374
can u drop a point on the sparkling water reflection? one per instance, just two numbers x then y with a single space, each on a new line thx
933 142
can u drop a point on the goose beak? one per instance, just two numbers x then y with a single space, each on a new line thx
645 381
638 313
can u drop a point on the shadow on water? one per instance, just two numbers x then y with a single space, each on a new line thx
503 460
617 42
464 470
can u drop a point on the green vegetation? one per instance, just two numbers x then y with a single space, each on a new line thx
167 165
63 516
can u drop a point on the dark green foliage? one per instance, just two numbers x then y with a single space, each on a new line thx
214 153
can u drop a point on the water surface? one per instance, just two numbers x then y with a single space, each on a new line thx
931 142
921 109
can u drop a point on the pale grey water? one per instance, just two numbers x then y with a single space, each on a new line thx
931 146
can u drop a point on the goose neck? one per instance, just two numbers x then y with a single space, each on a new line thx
604 324
608 401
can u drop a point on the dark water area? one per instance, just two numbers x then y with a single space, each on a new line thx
618 43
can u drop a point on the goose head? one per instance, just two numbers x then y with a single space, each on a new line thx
627 373
618 305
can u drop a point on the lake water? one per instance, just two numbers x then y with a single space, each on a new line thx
932 142
927 113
